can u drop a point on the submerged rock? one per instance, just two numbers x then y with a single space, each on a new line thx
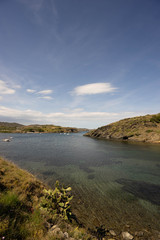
147 191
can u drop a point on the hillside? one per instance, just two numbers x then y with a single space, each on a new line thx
29 211
10 127
139 129
6 127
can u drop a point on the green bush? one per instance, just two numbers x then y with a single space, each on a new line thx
57 202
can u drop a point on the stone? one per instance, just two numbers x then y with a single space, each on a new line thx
127 236
47 225
60 235
55 226
66 235
139 234
55 230
128 226
112 232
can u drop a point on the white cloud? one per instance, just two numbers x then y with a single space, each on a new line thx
94 88
73 118
49 91
46 97
4 89
31 91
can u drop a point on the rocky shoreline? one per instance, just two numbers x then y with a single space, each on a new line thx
59 233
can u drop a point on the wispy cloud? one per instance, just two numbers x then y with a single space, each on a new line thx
41 93
46 97
4 89
31 91
49 91
93 88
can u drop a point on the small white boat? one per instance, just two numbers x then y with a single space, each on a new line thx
6 140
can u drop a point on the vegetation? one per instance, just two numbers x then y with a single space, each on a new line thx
155 118
142 129
57 202
31 211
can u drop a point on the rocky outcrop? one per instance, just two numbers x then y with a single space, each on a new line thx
141 129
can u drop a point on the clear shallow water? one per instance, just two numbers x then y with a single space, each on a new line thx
114 183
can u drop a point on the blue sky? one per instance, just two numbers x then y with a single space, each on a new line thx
82 63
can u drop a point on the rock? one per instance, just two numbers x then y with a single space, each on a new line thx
60 235
112 233
139 234
55 230
47 225
66 235
128 226
127 236
55 226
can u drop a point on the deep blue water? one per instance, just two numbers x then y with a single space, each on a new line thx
114 183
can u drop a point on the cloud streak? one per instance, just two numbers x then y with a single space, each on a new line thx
93 88
4 89
31 91
49 91
46 97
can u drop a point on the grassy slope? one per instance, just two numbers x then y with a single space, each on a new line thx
143 129
20 214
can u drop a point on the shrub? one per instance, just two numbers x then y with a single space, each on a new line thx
155 118
57 202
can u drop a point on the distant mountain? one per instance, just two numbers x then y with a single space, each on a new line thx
141 129
6 127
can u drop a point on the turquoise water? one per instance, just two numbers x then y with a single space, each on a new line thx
114 183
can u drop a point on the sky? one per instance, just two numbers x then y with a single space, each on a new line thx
79 63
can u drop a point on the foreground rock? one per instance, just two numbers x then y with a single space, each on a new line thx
127 236
140 129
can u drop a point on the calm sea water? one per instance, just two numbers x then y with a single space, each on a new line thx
114 183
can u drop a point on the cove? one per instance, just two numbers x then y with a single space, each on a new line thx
114 183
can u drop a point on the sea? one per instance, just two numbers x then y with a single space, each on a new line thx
114 183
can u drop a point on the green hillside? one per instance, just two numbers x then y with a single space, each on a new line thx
141 129
6 127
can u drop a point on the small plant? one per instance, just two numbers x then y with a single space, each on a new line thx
57 201
149 130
